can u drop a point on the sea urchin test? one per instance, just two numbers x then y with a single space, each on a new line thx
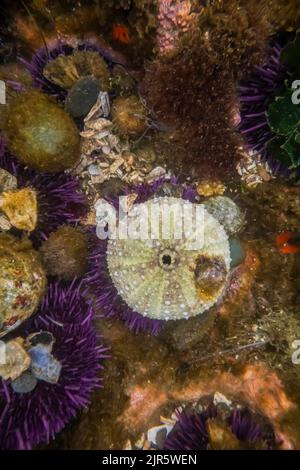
166 276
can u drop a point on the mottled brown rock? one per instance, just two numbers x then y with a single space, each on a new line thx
41 134
22 281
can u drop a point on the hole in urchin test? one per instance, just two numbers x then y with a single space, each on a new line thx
167 260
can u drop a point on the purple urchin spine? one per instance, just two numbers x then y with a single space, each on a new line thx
265 82
190 431
43 56
27 420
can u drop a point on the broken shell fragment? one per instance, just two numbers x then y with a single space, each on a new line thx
157 435
210 276
43 365
7 181
20 206
15 360
5 224
45 338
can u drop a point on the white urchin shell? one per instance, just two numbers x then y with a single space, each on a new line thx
159 291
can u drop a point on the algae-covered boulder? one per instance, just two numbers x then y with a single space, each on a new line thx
41 134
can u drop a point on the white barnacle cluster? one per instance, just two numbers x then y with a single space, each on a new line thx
155 274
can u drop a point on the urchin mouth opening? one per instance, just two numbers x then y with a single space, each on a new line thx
167 259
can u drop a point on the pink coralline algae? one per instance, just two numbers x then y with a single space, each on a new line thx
175 17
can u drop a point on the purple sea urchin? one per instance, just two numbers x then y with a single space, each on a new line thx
36 417
98 278
59 199
43 57
270 112
212 429
189 433
255 93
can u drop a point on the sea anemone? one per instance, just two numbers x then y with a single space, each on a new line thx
45 56
32 418
60 200
124 274
212 429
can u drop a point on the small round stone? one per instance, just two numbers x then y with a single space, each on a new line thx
237 252
26 383
82 97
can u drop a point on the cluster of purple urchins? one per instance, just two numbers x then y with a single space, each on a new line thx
99 281
27 420
190 431
60 200
255 95
45 55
